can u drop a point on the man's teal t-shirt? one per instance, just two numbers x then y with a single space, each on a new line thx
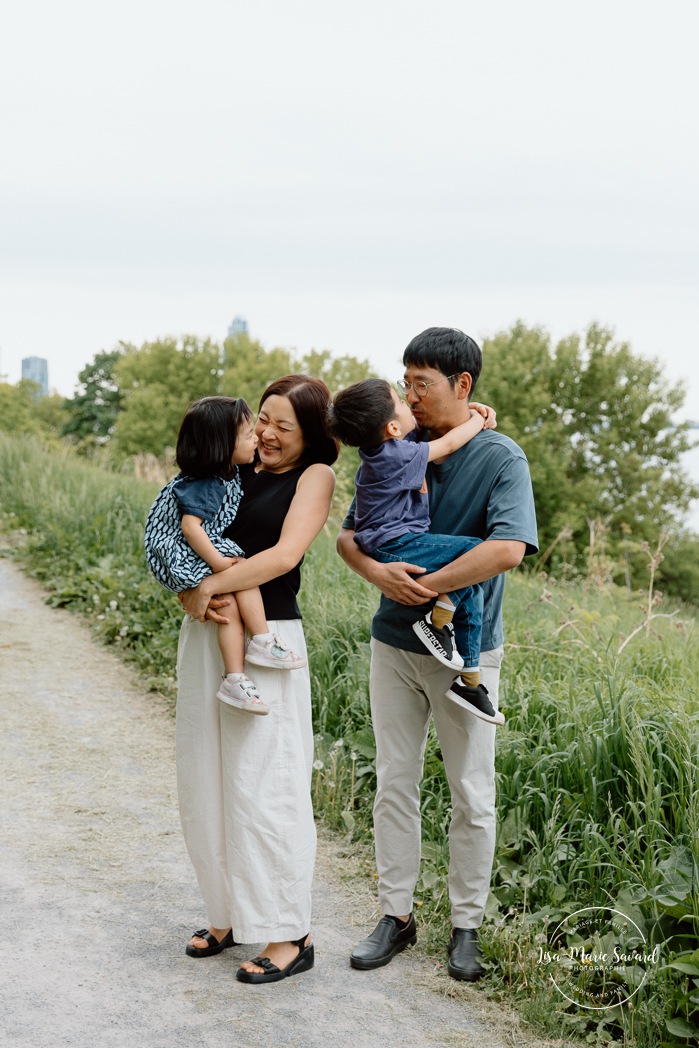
482 490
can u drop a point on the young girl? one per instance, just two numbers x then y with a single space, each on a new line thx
184 538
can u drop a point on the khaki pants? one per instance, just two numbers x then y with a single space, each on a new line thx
406 689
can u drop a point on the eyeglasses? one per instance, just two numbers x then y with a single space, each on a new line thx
421 389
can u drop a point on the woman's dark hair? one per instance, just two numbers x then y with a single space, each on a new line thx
447 350
207 436
309 397
359 414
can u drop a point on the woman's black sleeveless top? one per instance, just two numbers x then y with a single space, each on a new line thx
257 526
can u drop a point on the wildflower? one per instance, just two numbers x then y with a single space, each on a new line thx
121 595
123 631
95 599
338 744
318 765
113 605
100 617
353 756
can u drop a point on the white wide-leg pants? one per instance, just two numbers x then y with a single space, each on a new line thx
244 790
406 689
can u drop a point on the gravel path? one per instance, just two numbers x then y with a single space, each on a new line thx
98 897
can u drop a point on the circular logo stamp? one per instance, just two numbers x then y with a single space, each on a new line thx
598 957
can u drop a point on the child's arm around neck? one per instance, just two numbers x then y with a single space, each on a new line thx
456 437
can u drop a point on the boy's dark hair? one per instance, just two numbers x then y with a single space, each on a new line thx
359 414
447 350
207 436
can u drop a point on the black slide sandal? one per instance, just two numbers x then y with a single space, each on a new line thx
214 946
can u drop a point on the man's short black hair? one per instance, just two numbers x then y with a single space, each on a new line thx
447 350
359 414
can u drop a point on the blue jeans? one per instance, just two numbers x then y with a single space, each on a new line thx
434 552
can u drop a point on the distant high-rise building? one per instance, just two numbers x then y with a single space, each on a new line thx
36 369
238 326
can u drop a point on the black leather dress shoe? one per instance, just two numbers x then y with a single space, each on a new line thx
464 955
388 938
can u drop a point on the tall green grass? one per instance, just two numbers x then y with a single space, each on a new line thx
84 542
598 792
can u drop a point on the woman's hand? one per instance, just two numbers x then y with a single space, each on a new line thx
197 603
201 603
488 414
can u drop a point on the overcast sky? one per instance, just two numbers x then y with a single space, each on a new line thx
344 176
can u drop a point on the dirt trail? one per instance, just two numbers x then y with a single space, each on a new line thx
98 898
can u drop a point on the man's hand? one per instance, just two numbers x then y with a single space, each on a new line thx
394 579
395 582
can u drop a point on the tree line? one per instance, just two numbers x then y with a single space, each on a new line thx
595 420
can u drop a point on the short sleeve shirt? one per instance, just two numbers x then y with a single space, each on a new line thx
391 492
482 490
200 497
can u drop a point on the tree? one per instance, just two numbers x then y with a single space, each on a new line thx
93 411
248 368
157 382
596 423
517 382
17 404
336 372
678 573
21 411
617 411
50 412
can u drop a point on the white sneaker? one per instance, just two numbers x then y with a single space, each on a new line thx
242 694
274 654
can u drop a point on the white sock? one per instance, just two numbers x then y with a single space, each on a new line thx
235 677
262 638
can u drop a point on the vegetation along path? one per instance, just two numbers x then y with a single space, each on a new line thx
99 898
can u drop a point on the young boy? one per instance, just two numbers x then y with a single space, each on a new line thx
392 521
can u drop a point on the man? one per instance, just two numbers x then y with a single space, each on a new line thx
482 490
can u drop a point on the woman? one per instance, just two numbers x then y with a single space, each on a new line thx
244 783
